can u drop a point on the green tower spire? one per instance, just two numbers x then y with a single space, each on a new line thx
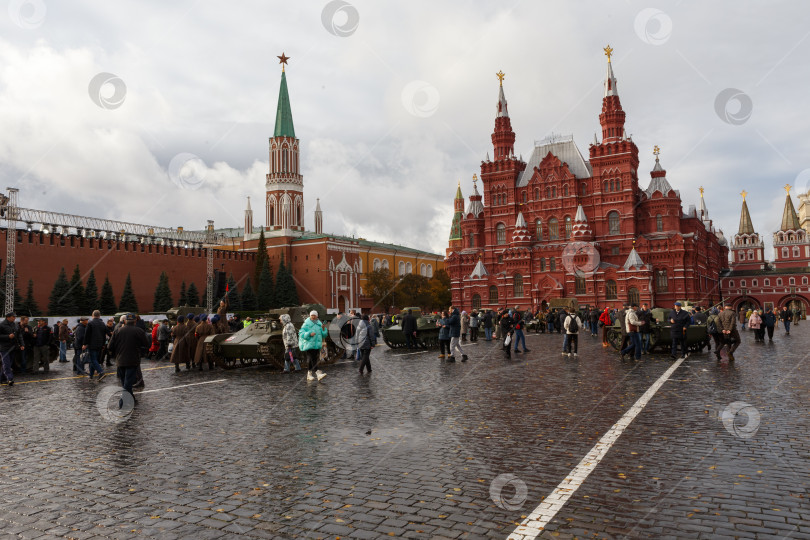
284 120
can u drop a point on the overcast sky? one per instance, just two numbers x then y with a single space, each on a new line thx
394 103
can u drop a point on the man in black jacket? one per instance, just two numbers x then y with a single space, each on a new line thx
409 329
78 342
679 319
27 336
10 339
95 335
41 346
125 346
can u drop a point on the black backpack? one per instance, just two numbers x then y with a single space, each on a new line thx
573 327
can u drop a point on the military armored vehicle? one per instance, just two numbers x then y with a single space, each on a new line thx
697 335
261 342
186 310
427 333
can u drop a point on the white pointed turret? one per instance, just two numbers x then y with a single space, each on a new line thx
633 260
581 230
479 271
248 220
318 217
610 80
521 232
502 108
476 207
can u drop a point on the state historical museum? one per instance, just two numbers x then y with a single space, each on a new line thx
563 227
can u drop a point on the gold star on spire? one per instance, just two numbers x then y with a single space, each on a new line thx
608 52
744 193
500 76
787 188
656 151
701 191
475 179
282 60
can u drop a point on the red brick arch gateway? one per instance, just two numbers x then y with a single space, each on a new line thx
741 301
792 298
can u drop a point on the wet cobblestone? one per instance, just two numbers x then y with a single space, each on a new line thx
412 450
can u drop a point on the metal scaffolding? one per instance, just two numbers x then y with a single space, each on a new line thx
9 210
210 268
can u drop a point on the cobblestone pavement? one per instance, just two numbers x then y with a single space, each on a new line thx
419 449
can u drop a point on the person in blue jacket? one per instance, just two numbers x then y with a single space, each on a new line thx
310 340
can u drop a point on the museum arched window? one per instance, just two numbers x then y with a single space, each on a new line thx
518 286
537 194
659 223
542 264
568 226
471 242
613 222
493 294
633 296
525 197
476 301
500 234
553 229
538 229
565 190
610 290
554 191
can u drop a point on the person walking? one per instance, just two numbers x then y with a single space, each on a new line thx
10 341
520 336
634 325
487 322
202 331
474 323
727 324
593 317
571 325
786 317
78 342
679 319
364 333
41 348
455 335
606 322
95 336
310 340
290 338
622 316
506 325
164 337
646 318
444 334
755 324
769 322
126 346
713 328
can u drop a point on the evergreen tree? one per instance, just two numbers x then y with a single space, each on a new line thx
77 291
248 298
163 295
261 260
265 295
106 302
233 294
128 302
61 302
183 300
29 305
91 292
192 296
286 292
18 299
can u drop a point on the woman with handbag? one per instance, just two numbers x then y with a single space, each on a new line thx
507 329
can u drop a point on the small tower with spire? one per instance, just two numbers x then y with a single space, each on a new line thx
248 220
285 184
661 201
456 241
791 247
747 250
472 226
318 217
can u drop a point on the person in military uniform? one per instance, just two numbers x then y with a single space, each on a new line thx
188 344
202 331
178 333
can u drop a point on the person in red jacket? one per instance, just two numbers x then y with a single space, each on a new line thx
604 318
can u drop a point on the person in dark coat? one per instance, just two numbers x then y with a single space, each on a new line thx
769 322
179 331
622 316
10 340
786 317
455 335
409 329
95 335
126 346
487 322
507 330
679 319
364 332
41 346
78 343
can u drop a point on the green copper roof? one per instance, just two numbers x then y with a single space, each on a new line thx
746 227
458 192
284 121
790 221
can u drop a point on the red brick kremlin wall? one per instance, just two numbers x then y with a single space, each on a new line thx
41 256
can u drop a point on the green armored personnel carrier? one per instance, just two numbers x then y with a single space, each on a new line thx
186 310
427 333
697 335
261 342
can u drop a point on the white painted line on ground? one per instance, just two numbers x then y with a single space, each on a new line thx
533 525
181 386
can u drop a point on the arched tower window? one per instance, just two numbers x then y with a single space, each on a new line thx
610 290
538 228
659 223
493 294
613 222
476 301
568 226
500 234
518 286
553 229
